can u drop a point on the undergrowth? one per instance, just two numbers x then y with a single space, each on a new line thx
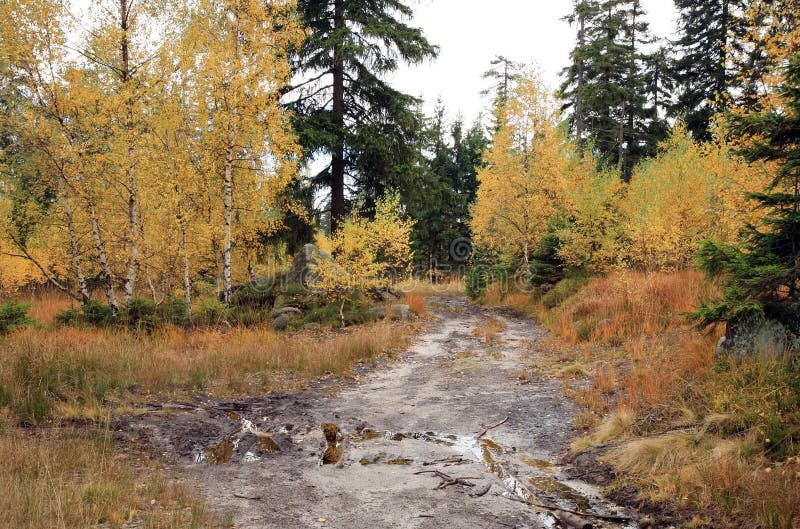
717 437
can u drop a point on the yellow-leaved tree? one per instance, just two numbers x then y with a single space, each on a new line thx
245 139
529 168
367 254
591 240
687 193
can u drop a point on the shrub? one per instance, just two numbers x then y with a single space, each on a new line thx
212 312
139 314
173 311
563 290
258 295
13 315
480 276
92 313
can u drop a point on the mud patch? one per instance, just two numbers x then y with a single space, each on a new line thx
333 440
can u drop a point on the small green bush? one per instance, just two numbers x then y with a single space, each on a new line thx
356 312
93 313
480 276
97 314
254 295
212 312
139 314
13 315
563 290
173 311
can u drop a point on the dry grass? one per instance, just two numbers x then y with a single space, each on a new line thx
82 368
63 478
612 309
67 479
416 303
45 305
424 288
488 332
717 437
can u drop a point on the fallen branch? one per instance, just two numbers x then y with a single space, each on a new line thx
491 428
447 480
456 460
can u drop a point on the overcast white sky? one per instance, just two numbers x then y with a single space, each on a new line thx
472 32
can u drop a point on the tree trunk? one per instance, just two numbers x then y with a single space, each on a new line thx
100 246
227 285
133 184
579 98
627 136
251 273
83 289
187 283
337 163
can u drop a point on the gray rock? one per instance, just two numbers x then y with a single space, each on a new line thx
285 310
401 312
302 270
281 323
755 334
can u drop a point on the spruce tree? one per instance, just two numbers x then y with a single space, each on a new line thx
710 31
607 86
763 276
503 73
441 202
344 108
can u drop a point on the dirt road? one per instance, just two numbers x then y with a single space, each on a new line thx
396 443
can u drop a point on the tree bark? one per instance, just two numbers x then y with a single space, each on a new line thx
133 184
80 279
337 163
100 246
227 285
187 282
579 98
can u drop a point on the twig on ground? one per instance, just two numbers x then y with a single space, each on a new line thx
447 461
447 480
491 428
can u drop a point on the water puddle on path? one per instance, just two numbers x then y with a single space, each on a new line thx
538 483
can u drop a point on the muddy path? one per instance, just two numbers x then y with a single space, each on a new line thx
396 444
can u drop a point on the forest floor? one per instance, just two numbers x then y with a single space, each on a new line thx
461 403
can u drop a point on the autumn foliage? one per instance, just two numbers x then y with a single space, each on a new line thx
536 184
153 158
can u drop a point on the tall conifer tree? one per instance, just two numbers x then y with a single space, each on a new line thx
607 84
710 31
345 109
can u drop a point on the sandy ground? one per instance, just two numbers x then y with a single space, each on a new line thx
261 458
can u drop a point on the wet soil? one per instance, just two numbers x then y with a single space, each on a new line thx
407 448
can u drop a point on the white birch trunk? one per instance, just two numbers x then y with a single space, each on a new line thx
100 246
83 289
227 286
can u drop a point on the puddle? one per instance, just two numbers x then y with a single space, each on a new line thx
221 453
246 445
545 486
552 486
540 464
